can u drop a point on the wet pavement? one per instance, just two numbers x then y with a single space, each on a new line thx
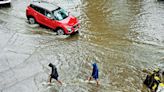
123 36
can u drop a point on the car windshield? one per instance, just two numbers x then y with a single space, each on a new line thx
60 14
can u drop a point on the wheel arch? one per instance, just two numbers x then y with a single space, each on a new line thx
57 28
30 16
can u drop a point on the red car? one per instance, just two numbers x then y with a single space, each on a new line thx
53 17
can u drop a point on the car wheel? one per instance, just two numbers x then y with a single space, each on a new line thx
60 32
31 20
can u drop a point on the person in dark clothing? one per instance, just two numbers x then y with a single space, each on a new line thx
95 74
153 80
54 73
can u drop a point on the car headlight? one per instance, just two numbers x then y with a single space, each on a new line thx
69 29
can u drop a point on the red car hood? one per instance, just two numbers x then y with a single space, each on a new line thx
70 21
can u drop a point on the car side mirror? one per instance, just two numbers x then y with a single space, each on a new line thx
49 16
69 13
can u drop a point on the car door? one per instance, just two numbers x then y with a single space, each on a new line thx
49 20
39 14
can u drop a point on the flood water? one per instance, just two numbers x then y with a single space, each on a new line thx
122 36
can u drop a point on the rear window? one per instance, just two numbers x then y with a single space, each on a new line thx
32 6
40 10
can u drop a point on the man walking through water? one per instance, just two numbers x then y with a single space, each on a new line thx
95 73
54 73
154 80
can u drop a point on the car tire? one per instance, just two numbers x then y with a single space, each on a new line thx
60 31
31 20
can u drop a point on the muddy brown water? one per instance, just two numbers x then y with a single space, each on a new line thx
122 36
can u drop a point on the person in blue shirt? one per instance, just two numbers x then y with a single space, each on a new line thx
54 73
95 73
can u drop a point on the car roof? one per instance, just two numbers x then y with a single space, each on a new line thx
46 5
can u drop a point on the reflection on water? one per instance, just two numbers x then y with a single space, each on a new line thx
123 36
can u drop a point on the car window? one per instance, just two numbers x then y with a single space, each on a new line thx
40 10
48 14
32 6
60 14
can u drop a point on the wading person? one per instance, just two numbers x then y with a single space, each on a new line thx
153 81
95 73
54 73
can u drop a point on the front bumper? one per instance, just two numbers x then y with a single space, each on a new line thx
74 29
5 2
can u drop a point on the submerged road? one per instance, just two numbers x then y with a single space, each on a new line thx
123 36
